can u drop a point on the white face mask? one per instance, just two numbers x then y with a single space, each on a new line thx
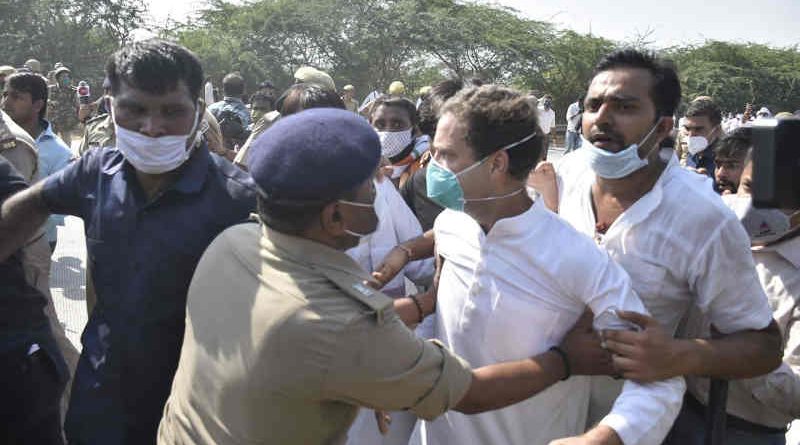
617 165
763 225
153 155
394 142
696 144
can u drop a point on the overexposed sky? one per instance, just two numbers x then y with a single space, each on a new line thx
672 22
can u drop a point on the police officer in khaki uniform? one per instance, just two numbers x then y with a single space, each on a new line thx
99 132
284 341
63 109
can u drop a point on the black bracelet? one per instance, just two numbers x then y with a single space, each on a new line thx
419 307
564 359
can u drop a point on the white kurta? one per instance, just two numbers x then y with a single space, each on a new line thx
512 294
396 223
681 247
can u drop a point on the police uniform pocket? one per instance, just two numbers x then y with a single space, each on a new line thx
518 327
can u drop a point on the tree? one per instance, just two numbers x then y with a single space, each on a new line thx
80 34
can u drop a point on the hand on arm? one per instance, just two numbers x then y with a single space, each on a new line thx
418 248
21 216
584 349
652 354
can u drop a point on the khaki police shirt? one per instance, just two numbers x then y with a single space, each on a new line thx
19 148
258 128
283 343
99 133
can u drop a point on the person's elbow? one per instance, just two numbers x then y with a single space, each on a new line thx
773 341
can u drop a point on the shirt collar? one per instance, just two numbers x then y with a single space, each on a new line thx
645 206
310 252
193 173
233 99
47 131
518 224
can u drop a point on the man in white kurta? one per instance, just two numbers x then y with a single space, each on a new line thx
667 228
512 267
533 273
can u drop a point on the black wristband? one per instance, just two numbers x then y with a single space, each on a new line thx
419 307
564 359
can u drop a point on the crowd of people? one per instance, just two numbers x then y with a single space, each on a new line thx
299 267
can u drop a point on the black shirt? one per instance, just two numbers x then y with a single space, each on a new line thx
22 316
415 193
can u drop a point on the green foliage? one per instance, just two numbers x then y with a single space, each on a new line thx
80 34
736 74
369 43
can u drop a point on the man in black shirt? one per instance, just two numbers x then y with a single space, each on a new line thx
32 370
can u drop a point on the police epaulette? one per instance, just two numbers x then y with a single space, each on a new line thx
7 138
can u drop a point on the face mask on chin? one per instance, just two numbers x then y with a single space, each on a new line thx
618 165
153 155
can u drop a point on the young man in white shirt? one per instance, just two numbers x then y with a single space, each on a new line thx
547 119
512 266
573 141
668 229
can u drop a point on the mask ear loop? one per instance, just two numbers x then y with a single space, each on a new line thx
504 148
648 139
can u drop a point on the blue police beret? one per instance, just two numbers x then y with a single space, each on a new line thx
314 155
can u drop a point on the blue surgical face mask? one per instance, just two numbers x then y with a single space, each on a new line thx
617 165
444 188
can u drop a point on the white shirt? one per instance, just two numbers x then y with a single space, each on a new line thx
774 399
573 117
512 294
547 118
680 245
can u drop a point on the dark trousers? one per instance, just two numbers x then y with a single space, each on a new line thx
690 429
30 391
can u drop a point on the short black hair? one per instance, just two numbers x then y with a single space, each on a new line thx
262 97
707 108
155 66
33 84
735 144
666 91
387 100
233 85
497 116
303 96
431 104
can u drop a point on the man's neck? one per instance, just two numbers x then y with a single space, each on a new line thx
631 188
33 127
153 185
506 208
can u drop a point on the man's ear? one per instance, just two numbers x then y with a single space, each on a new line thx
38 105
331 220
500 162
